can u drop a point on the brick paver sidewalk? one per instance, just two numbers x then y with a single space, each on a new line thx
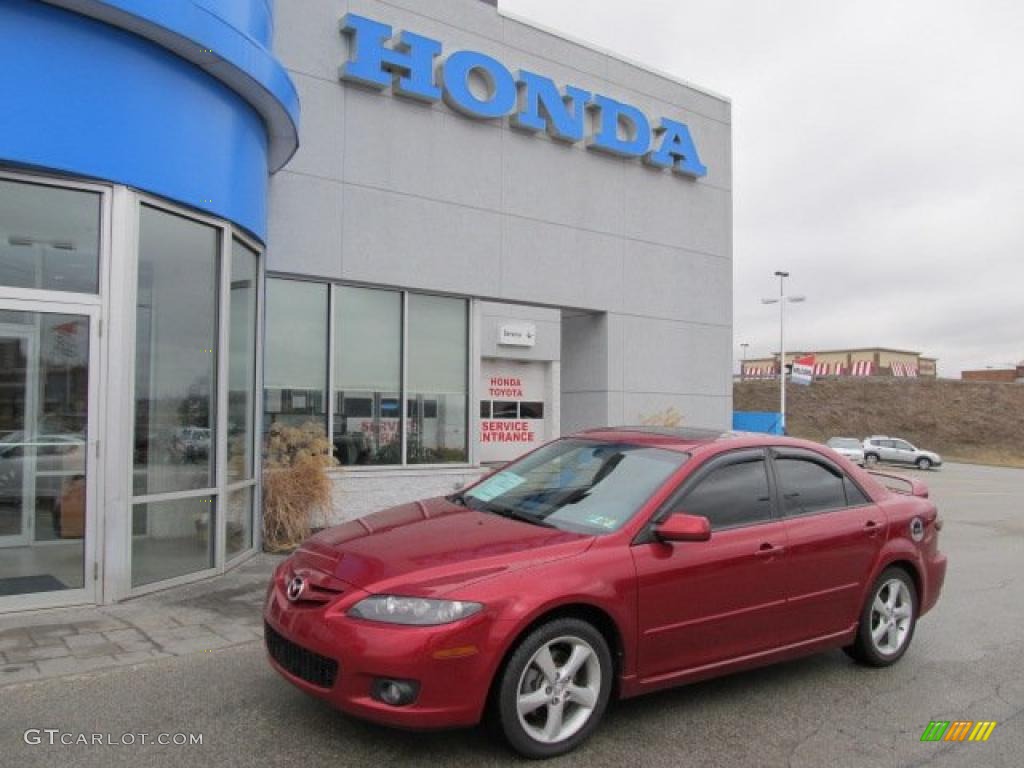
216 613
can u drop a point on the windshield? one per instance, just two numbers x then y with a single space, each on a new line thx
577 485
844 442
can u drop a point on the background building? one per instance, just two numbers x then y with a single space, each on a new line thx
873 361
206 235
1016 373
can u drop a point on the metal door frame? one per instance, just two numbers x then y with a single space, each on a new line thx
28 491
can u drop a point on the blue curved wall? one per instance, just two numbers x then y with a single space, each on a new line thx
84 97
253 17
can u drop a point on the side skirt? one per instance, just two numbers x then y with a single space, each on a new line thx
633 686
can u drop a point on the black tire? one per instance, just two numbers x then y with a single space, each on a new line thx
505 719
864 649
870 459
924 463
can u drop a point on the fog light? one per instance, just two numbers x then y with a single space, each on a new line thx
395 693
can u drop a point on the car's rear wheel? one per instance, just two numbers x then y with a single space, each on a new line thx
554 688
870 459
924 463
887 620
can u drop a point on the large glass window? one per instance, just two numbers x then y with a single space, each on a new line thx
49 237
241 467
178 325
367 376
374 347
296 354
194 371
176 539
239 525
242 363
176 356
438 379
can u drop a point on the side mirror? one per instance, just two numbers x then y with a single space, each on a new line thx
683 527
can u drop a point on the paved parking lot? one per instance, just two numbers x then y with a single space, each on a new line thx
967 663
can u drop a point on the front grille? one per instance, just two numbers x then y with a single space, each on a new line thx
304 664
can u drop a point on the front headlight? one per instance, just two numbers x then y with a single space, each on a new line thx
417 611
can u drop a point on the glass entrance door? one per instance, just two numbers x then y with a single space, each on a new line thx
47 383
16 348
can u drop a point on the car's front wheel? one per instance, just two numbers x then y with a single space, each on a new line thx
924 463
554 688
887 620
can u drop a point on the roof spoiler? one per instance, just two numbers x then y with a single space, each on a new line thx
907 486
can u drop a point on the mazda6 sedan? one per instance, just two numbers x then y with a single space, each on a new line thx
607 564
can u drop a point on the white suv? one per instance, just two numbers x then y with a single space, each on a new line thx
894 450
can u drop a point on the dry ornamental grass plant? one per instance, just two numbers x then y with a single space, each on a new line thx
296 487
670 417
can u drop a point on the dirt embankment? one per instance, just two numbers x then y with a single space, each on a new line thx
962 420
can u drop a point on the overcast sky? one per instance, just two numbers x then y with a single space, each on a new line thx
878 152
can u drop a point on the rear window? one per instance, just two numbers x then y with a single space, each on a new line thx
809 487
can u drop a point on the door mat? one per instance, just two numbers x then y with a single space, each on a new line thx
21 585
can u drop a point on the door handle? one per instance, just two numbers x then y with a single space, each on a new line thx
769 550
871 528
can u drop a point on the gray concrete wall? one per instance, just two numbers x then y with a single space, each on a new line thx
389 191
356 493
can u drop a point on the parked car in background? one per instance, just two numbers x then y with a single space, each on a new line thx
612 562
191 443
894 450
55 454
850 447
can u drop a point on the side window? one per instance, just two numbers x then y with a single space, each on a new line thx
808 487
901 446
736 494
854 496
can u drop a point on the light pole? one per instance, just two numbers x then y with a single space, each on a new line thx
743 361
782 301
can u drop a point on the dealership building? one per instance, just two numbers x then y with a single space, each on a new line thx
422 230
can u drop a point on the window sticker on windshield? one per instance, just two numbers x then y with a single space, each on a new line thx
496 486
602 522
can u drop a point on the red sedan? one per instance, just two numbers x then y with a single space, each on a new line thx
610 563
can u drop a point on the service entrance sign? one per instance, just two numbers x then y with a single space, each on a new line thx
513 408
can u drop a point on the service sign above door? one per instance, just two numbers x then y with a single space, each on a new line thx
518 335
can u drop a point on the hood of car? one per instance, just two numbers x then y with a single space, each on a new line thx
428 548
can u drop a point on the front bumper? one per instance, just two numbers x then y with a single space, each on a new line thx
452 663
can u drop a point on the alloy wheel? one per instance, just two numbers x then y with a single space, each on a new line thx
891 615
559 689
